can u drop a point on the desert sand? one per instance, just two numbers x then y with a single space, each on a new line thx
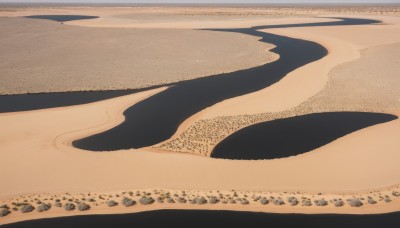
42 165
49 58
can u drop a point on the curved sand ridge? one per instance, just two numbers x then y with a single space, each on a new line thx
67 169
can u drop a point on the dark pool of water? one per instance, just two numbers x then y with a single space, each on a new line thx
62 18
158 117
296 135
203 218
25 102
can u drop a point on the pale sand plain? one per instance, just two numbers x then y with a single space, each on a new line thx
46 56
43 138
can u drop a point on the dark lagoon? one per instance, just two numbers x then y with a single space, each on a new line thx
221 219
62 18
26 102
157 118
295 135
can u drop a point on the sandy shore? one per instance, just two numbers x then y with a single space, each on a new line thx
40 163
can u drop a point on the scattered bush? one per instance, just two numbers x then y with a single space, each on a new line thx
111 203
91 200
160 200
293 201
181 200
4 212
127 202
5 206
264 201
43 207
27 208
355 202
395 193
58 204
83 207
200 200
69 207
278 201
244 201
321 202
213 200
371 201
387 199
306 203
339 203
146 200
232 201
170 200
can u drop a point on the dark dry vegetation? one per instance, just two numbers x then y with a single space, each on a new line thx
85 202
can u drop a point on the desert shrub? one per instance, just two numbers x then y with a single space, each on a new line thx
127 202
200 200
170 200
339 203
4 212
58 204
306 203
5 206
321 202
232 201
146 200
371 201
395 193
181 200
111 203
19 204
293 201
264 201
91 200
387 199
213 200
83 207
278 201
26 208
244 201
160 199
69 207
355 202
43 207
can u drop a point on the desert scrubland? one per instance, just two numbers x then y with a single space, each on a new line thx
133 47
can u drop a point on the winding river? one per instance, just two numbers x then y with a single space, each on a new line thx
157 118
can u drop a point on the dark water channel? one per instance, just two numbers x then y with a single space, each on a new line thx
295 135
203 218
156 119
